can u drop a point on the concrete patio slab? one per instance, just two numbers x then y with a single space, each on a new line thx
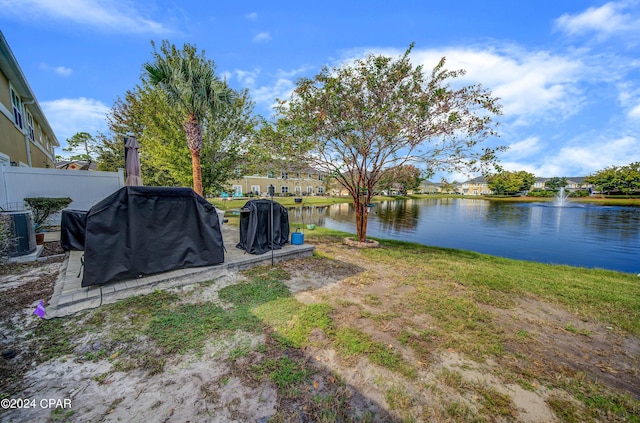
70 297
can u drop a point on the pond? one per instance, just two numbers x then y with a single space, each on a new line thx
585 235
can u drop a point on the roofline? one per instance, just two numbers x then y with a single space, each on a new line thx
11 68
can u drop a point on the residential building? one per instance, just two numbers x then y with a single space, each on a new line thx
428 187
574 183
26 138
475 186
479 186
297 183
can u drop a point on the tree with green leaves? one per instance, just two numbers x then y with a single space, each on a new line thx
617 179
109 153
227 138
355 120
555 183
402 178
191 85
448 187
84 142
509 183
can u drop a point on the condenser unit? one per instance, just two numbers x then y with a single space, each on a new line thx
21 230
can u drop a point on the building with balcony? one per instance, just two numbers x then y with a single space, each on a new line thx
26 138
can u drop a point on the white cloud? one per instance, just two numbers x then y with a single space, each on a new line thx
280 73
266 88
532 86
252 16
60 70
63 71
601 153
262 37
629 98
613 18
524 148
581 158
70 115
106 15
282 89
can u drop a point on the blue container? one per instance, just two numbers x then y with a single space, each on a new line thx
297 238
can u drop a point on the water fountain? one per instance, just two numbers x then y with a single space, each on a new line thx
561 198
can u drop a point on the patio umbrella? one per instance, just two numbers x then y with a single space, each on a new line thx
132 162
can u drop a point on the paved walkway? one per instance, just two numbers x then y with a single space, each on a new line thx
70 297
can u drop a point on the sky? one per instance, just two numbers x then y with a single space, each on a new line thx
567 72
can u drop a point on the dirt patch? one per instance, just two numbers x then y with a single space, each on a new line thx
550 340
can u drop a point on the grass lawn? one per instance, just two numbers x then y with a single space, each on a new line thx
403 332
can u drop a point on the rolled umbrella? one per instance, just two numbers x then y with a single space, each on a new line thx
132 162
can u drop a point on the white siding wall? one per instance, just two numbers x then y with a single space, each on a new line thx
83 187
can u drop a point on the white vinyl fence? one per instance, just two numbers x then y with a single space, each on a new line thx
85 188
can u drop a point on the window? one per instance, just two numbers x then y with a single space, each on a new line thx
32 133
310 176
237 171
320 190
255 189
284 175
284 190
298 190
309 190
298 175
17 108
271 174
320 178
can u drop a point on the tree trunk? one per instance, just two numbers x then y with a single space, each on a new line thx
193 134
197 171
361 218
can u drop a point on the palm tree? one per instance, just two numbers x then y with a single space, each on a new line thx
190 83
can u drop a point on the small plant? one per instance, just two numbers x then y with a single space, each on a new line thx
43 207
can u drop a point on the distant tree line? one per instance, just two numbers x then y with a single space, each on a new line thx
620 180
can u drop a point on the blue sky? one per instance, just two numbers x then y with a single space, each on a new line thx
567 72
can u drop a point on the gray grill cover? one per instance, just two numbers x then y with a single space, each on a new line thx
144 230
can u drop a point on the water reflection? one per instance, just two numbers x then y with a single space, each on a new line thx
581 235
307 215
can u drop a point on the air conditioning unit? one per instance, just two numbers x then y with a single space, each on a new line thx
21 230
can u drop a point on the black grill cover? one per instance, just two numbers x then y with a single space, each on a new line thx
145 230
72 229
255 235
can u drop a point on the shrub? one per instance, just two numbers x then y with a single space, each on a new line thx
579 193
540 193
43 207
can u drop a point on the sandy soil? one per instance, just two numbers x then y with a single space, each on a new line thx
211 387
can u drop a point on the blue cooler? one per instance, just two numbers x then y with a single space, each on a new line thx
297 238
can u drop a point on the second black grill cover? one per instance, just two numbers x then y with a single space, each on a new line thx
72 229
255 235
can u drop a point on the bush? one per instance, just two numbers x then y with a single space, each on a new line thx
540 193
43 207
579 193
